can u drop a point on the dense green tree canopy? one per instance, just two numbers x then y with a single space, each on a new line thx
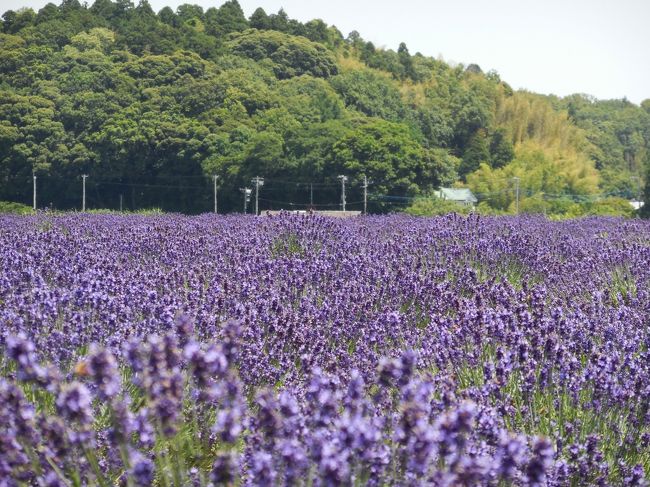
289 55
151 106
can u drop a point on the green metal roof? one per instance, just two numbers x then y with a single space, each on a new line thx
457 194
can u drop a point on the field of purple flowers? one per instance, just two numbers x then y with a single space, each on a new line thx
295 350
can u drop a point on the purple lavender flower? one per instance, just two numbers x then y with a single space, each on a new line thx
333 463
262 470
511 454
295 459
75 403
22 350
541 460
142 469
224 469
268 419
184 329
389 371
143 428
51 479
102 367
356 362
229 424
635 477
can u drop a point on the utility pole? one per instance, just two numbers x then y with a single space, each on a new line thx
311 195
343 180
638 195
121 197
638 186
516 180
83 198
365 194
247 196
257 181
34 196
214 181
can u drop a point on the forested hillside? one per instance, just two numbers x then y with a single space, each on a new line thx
151 105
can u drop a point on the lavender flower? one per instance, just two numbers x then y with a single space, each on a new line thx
540 462
142 469
75 403
394 351
224 469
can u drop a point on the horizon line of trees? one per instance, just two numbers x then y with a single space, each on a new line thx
138 97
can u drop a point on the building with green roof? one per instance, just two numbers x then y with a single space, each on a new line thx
462 196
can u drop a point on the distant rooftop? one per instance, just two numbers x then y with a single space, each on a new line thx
637 205
457 194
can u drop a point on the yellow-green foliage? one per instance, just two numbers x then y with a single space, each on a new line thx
15 208
610 207
567 208
349 63
549 170
433 206
527 117
551 156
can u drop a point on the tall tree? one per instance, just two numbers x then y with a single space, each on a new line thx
501 149
645 104
406 61
229 18
167 16
476 153
259 19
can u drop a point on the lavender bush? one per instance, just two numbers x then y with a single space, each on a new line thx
296 350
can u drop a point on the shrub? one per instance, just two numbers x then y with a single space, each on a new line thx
14 208
433 206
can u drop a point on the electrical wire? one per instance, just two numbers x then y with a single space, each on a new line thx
392 199
328 205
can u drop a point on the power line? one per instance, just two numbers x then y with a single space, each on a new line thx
146 185
301 183
344 181
324 205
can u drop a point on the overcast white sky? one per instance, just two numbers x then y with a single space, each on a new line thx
599 47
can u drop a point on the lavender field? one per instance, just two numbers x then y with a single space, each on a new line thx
297 350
